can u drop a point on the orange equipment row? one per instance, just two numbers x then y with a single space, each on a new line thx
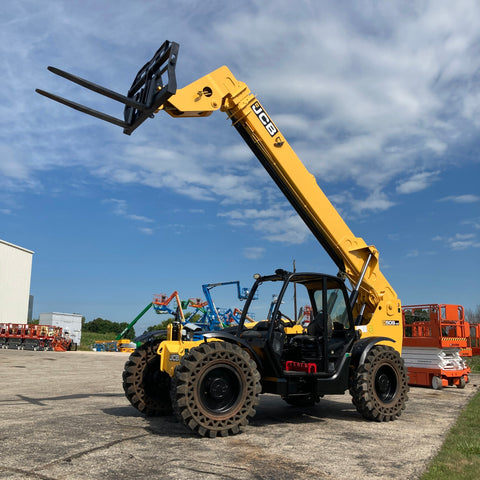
434 337
23 336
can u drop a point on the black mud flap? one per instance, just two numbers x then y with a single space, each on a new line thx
363 346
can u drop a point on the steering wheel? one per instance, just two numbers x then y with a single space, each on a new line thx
285 320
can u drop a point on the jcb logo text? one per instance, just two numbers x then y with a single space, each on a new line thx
263 117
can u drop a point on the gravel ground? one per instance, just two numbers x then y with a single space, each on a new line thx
65 417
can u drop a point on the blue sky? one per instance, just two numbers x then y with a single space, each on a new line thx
380 100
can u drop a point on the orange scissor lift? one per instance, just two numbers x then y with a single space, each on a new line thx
24 336
434 336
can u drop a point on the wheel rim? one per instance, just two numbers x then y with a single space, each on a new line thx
386 383
219 389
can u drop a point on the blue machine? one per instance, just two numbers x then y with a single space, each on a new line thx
215 318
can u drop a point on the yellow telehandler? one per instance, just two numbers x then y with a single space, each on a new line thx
354 340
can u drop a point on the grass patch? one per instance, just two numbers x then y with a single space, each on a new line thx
459 457
474 363
88 338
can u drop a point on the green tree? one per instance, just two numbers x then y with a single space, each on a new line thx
101 325
473 316
130 333
160 326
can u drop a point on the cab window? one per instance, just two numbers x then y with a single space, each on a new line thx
336 308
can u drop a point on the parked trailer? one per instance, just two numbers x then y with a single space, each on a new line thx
434 336
24 336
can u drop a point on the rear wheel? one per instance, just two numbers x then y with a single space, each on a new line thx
145 386
215 389
379 387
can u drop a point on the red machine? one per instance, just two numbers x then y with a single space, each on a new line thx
434 336
23 336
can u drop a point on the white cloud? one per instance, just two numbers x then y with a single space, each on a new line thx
467 198
459 241
417 182
120 208
463 244
275 224
11 164
474 222
194 170
253 253
362 102
376 201
139 218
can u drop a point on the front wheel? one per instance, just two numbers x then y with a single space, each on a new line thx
379 387
215 389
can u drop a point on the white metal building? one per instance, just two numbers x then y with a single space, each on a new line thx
70 322
15 275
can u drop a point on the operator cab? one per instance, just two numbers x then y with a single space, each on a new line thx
287 343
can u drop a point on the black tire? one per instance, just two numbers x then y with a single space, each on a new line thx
145 386
379 387
462 383
215 389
